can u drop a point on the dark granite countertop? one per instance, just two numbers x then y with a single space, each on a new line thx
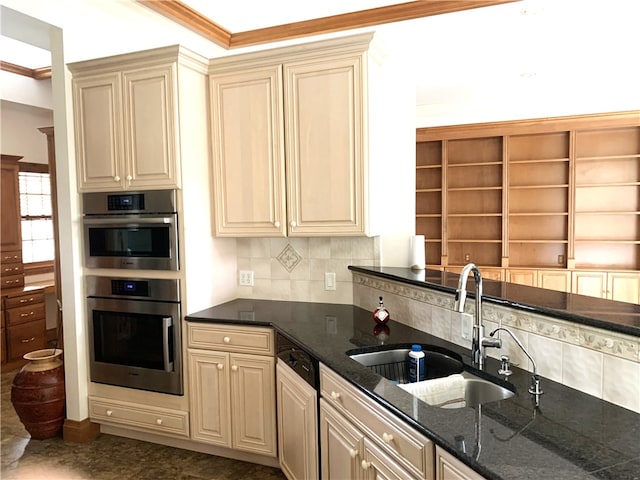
620 317
571 435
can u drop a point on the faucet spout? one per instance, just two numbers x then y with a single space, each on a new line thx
535 388
477 349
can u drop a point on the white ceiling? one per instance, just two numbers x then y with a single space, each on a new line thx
455 54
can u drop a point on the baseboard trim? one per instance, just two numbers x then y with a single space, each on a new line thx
79 431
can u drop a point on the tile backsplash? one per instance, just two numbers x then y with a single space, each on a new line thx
595 361
294 268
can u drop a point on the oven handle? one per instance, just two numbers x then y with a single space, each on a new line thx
129 221
167 322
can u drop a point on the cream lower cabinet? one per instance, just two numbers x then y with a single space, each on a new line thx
232 395
450 468
360 441
297 425
139 417
127 113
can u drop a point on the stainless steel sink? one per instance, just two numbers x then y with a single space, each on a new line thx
390 361
457 391
448 384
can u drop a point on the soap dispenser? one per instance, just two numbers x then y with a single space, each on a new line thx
381 314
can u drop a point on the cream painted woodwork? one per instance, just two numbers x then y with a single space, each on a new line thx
129 112
248 151
341 445
292 152
318 101
139 417
620 286
297 425
541 198
450 468
232 395
403 450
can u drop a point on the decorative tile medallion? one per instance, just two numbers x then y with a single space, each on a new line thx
289 258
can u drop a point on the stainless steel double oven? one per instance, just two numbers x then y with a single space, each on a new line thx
134 318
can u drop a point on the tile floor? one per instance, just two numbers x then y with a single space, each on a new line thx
108 457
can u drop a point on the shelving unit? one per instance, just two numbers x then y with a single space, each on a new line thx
551 202
474 201
608 195
538 199
429 197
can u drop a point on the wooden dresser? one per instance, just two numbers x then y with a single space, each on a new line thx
23 320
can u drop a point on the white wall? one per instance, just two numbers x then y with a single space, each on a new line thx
19 134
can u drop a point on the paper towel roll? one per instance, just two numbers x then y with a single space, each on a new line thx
417 252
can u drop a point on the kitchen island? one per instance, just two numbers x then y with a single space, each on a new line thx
570 435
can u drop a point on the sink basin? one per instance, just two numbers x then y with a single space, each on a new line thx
457 391
390 361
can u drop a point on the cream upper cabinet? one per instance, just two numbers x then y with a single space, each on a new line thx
248 152
293 151
127 118
324 149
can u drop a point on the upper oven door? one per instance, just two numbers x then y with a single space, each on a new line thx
146 242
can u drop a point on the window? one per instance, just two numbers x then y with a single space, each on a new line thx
36 212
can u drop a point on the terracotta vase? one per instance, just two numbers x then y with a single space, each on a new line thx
38 394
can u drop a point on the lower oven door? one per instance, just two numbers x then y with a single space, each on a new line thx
136 344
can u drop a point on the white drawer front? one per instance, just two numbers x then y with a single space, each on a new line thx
230 338
159 420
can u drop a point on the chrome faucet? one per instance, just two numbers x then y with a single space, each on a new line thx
478 341
535 388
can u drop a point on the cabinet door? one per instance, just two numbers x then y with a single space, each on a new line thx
341 446
210 408
248 152
522 276
11 238
378 465
150 119
325 146
297 425
593 284
623 287
450 468
253 403
554 280
98 124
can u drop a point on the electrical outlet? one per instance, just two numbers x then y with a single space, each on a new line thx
467 257
466 325
246 278
329 281
560 259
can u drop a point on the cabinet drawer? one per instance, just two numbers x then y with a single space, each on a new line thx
11 257
23 299
25 338
12 281
409 447
28 313
173 422
231 338
11 269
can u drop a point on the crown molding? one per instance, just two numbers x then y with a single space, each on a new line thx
194 20
36 73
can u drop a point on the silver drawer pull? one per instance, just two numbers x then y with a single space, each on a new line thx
27 314
26 300
29 340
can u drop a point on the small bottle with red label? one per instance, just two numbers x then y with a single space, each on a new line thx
381 314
